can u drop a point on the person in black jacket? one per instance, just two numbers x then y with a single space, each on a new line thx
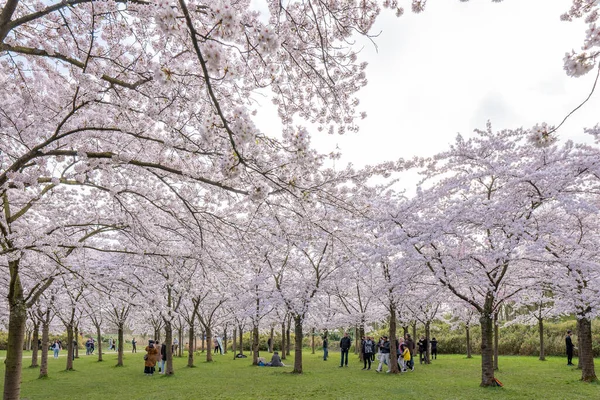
345 344
570 347
411 346
422 350
433 348
384 354
325 348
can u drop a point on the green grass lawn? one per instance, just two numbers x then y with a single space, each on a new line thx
448 377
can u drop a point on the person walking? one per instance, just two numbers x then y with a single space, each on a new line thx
570 347
433 348
404 357
345 344
368 350
384 356
325 348
163 358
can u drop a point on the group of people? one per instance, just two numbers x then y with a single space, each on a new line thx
90 347
155 354
405 349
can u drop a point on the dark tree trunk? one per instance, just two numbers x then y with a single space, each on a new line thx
586 355
191 349
16 335
356 340
297 344
393 348
271 337
180 346
169 346
288 339
120 344
496 342
283 340
312 340
361 334
45 345
209 344
99 342
76 344
428 338
255 344
541 332
34 349
225 340
487 350
414 329
404 331
234 342
70 348
468 331
202 341
241 332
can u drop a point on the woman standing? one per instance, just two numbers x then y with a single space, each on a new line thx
56 348
150 358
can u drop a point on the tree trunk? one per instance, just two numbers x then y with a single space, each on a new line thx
202 341
487 350
34 349
297 344
168 347
99 342
361 334
16 335
356 340
468 330
70 348
404 331
288 341
225 340
180 347
541 331
76 344
312 340
283 340
271 337
255 344
234 342
496 342
241 332
209 344
392 337
414 329
45 345
191 349
428 339
586 355
120 345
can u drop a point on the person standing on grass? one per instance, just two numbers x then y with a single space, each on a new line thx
411 347
163 358
433 348
404 357
384 357
56 348
325 348
368 350
133 346
570 347
345 344
422 350
150 358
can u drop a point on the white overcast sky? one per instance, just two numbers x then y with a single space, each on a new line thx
456 65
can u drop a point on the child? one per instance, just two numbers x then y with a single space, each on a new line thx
404 357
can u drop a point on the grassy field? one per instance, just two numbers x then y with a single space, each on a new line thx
448 377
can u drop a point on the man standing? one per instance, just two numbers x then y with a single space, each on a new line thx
325 348
570 347
384 356
133 346
345 344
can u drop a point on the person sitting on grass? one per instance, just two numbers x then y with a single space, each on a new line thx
275 361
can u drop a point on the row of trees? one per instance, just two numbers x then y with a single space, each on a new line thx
132 177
